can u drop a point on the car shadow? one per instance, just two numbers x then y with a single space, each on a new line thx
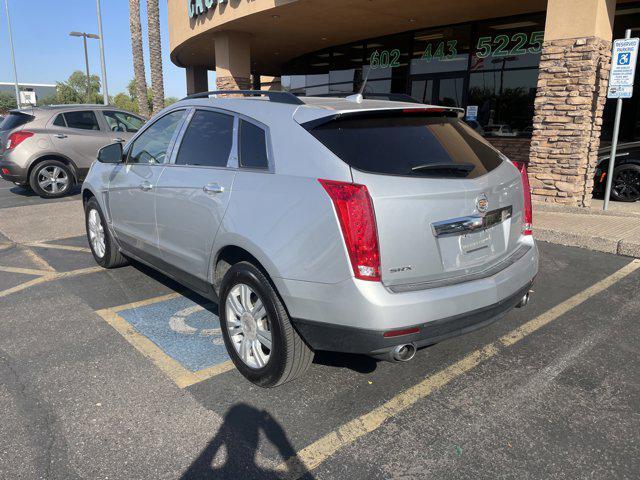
352 361
232 453
27 192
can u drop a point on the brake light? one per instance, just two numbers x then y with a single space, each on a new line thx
528 208
16 138
357 220
424 110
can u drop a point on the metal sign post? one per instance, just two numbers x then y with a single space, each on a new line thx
623 68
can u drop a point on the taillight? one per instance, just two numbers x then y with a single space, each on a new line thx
357 221
16 138
528 210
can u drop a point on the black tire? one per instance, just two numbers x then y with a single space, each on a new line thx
626 183
111 258
40 168
289 356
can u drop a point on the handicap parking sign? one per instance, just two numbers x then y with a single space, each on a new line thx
623 67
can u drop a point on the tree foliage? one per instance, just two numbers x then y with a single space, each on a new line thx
7 102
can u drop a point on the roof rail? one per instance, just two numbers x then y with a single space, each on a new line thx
273 96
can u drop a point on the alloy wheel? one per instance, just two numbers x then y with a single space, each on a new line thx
626 185
96 233
248 326
53 179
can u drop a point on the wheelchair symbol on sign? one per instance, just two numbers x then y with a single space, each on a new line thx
178 323
624 58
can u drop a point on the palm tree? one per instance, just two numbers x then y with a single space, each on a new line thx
138 57
155 55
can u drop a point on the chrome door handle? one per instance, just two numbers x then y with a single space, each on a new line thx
61 135
213 188
145 186
120 140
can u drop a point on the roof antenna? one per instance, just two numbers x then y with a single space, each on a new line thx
357 97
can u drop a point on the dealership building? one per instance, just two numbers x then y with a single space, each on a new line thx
531 74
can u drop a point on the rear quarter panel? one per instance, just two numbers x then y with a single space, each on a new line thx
288 223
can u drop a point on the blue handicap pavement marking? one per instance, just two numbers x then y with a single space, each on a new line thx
186 331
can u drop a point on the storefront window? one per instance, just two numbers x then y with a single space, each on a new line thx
441 50
505 101
513 44
489 66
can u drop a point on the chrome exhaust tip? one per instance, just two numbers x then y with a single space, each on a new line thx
524 301
403 353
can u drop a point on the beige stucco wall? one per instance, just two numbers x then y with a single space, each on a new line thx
182 28
579 18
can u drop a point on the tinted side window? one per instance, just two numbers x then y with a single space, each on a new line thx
122 121
59 121
207 140
84 119
253 146
151 146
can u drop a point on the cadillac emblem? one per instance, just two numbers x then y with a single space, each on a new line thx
482 203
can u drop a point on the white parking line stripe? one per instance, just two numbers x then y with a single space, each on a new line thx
316 453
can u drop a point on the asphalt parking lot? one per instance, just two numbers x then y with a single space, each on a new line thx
122 374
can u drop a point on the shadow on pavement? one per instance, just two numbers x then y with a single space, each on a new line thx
240 437
357 363
27 192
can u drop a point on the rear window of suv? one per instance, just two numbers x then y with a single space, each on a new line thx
15 120
411 144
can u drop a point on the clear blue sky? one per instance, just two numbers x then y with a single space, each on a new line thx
45 53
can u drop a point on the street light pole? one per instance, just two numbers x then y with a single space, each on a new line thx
13 56
86 57
86 64
105 89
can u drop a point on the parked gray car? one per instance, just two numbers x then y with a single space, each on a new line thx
50 149
349 225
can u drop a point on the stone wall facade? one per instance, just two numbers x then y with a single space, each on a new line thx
516 149
572 89
233 83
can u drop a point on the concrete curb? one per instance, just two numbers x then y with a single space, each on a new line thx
548 207
618 247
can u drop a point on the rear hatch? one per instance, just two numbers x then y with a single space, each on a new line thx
14 120
447 204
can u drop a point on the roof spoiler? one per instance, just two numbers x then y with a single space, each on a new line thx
273 96
446 111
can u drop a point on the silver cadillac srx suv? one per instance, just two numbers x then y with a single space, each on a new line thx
340 224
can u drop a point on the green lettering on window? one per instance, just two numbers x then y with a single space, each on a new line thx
385 59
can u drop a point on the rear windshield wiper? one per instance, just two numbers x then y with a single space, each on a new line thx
447 168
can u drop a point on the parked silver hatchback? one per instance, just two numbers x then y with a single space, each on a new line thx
349 225
50 149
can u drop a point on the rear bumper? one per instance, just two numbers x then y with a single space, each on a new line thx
355 309
322 336
16 173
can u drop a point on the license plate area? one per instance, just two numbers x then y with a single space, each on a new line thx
472 242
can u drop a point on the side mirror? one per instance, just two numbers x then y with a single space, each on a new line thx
111 153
